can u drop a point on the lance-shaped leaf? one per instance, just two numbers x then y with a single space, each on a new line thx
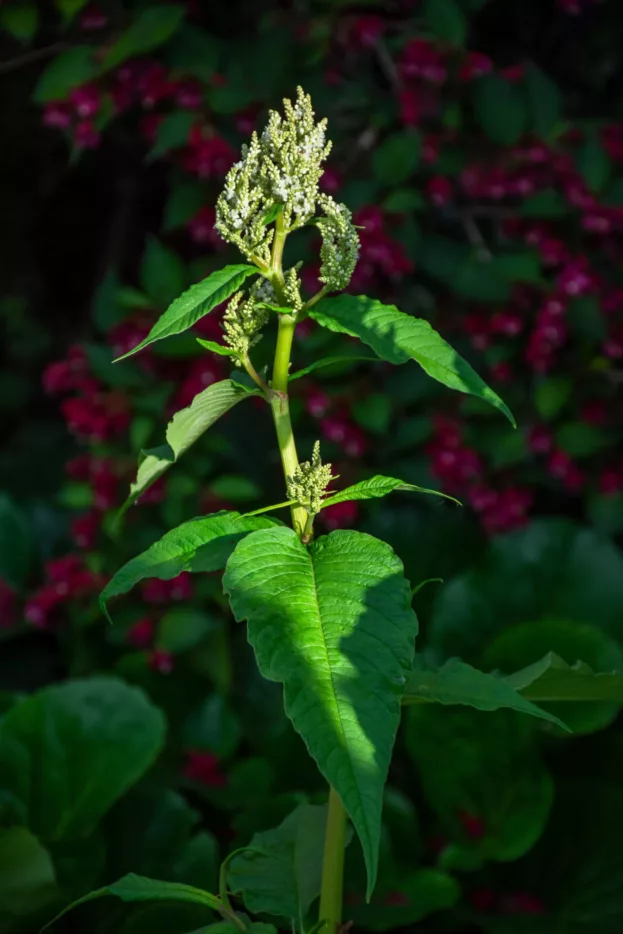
332 623
330 361
458 683
183 430
397 337
552 679
376 487
199 545
133 888
195 303
280 874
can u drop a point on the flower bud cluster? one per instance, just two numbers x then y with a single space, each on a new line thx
340 244
309 482
243 321
281 167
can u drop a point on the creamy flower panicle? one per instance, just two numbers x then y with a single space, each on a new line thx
309 482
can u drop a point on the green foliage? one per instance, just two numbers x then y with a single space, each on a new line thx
27 877
311 614
195 303
21 20
500 109
376 487
280 872
397 337
397 157
446 20
162 273
96 736
200 545
151 28
16 545
183 430
67 71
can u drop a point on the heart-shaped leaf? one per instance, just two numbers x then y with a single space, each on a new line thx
332 623
397 337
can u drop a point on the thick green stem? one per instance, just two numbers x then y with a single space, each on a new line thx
335 838
333 865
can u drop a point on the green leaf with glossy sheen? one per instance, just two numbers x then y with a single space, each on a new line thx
195 303
134 888
283 879
376 487
397 337
183 430
553 679
458 683
200 545
152 27
333 623
70 751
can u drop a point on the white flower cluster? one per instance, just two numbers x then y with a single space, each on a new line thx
281 167
340 244
309 482
292 288
243 320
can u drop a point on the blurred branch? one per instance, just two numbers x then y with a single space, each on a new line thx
473 234
21 61
387 65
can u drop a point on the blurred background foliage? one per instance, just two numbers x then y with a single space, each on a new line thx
480 145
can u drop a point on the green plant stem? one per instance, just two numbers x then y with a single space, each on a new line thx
335 839
333 865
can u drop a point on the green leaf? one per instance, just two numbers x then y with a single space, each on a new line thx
21 20
374 412
185 199
551 395
199 546
162 273
397 337
67 71
217 348
410 896
69 751
134 888
593 163
69 8
183 628
552 679
552 569
376 487
16 545
545 204
172 132
27 876
283 879
500 109
330 361
487 768
315 618
195 303
579 439
526 643
446 20
194 51
152 27
458 683
397 157
544 101
183 430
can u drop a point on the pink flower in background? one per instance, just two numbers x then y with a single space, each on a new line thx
204 768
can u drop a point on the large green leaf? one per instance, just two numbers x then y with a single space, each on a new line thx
488 771
552 569
133 888
397 337
377 487
27 876
200 545
183 430
67 71
194 303
69 751
281 872
552 679
458 683
152 27
526 643
333 623
500 109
